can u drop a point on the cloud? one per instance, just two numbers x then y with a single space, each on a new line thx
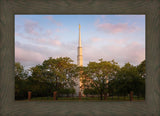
31 27
118 41
28 57
42 44
133 52
57 30
49 32
121 50
96 39
34 33
33 54
50 18
97 22
46 41
116 28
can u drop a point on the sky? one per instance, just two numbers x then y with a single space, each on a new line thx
118 37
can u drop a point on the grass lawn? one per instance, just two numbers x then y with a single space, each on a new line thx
115 98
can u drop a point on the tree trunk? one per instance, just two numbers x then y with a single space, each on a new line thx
56 87
105 96
138 96
101 95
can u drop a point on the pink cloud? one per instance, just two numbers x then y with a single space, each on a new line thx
51 42
56 42
132 52
50 18
22 36
96 39
121 50
62 30
23 55
97 22
47 40
30 54
49 32
111 41
118 42
57 30
116 28
31 27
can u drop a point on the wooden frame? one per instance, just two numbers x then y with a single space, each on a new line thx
8 105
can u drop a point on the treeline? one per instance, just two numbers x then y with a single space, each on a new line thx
98 78
52 75
106 77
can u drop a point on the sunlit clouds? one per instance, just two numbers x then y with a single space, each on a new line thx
38 37
50 18
31 27
117 28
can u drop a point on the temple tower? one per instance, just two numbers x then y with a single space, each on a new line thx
79 63
79 56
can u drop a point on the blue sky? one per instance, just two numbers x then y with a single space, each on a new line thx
118 37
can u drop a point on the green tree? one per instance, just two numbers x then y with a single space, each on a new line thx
20 81
142 72
59 73
142 69
99 73
127 79
20 73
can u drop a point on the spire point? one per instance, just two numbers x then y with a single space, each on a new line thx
79 57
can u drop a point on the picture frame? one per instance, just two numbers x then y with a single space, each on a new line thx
8 105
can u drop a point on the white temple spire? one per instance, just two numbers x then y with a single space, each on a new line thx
79 56
79 42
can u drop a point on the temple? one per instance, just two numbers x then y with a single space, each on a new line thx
79 56
79 62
